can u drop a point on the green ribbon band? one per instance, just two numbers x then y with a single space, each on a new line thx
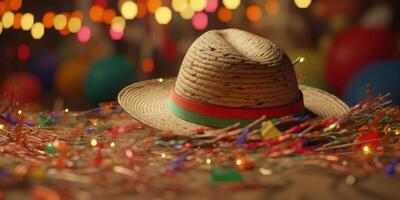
203 119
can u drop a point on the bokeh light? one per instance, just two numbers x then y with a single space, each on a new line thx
187 12
118 24
74 24
2 7
211 6
153 5
253 13
7 19
96 13
224 15
163 15
37 30
17 20
60 21
23 51
272 7
142 9
64 31
48 19
109 15
147 65
116 35
84 34
179 5
102 3
302 3
197 5
15 4
78 14
231 4
200 21
129 9
1 27
27 21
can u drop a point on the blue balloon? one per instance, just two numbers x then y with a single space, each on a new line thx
44 66
383 76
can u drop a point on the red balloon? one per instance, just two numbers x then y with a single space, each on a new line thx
353 50
22 87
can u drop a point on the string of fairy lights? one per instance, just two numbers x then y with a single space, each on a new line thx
73 22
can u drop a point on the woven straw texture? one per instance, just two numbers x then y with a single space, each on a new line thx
230 68
235 68
147 101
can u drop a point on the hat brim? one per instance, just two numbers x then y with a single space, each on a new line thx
147 101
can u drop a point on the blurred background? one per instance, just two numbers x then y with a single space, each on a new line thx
76 53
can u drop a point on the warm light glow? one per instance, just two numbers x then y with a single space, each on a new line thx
187 12
19 112
2 7
112 144
17 20
23 51
153 5
197 5
224 15
148 65
108 16
129 9
37 30
163 15
48 19
60 21
142 9
200 21
239 161
15 4
74 24
303 3
66 110
211 6
163 155
78 14
118 24
160 80
64 31
366 150
115 35
208 161
7 19
179 5
253 13
27 21
231 4
1 27
1 126
93 142
96 13
272 7
84 34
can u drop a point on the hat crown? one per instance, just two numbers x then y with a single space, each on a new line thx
234 68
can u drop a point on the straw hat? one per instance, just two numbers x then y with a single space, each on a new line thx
226 76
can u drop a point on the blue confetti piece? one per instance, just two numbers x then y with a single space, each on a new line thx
391 168
176 164
241 140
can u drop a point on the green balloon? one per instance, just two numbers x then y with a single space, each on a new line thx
106 77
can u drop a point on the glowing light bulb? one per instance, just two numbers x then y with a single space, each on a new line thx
60 21
7 19
1 126
93 142
231 4
239 161
118 24
66 110
112 144
366 150
197 5
163 15
163 155
84 34
200 21
187 12
208 161
160 80
302 3
74 24
37 30
27 21
129 9
179 5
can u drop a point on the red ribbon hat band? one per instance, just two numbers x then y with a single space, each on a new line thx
236 113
